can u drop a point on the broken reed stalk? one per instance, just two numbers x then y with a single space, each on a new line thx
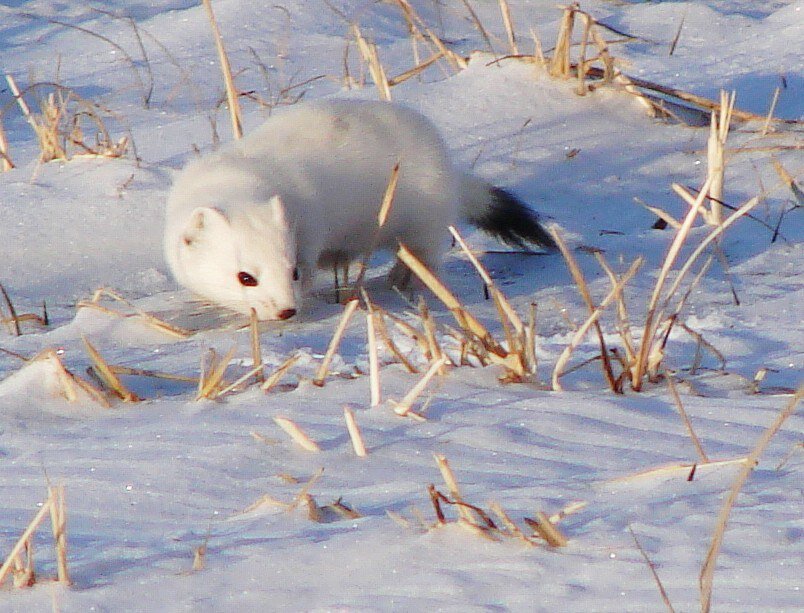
509 524
226 69
716 159
280 372
209 382
547 530
348 311
452 484
767 126
456 61
685 418
509 26
372 57
382 330
296 433
561 64
463 317
354 432
591 320
404 406
107 374
708 569
583 289
651 321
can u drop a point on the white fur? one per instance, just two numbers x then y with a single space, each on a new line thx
302 190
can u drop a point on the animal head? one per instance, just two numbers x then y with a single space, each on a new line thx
243 260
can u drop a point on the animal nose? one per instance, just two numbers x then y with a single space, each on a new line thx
286 313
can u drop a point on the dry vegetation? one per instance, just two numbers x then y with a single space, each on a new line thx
61 126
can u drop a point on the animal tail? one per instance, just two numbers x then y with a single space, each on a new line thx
503 215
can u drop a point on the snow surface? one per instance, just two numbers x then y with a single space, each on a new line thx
147 483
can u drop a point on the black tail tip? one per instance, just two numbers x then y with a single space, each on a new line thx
515 223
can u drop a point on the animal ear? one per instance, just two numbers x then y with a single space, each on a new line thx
204 221
277 209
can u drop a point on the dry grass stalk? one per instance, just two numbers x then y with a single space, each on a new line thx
623 320
372 57
434 351
296 433
661 214
416 70
652 568
415 335
685 418
583 289
12 319
70 383
457 62
683 468
210 382
382 330
305 490
651 321
254 372
333 344
708 569
226 69
716 160
547 530
560 64
404 406
570 509
767 126
5 157
354 432
452 484
509 27
24 573
107 375
256 350
140 372
58 520
591 320
382 216
509 524
789 181
374 361
151 320
464 318
12 560
711 237
280 372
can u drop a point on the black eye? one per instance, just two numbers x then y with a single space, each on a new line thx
296 273
247 279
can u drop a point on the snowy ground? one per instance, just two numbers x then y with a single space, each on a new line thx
148 483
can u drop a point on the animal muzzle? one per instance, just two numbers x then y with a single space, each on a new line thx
285 314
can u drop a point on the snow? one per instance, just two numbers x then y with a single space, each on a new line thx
147 483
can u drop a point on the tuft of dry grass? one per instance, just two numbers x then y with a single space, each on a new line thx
63 121
23 573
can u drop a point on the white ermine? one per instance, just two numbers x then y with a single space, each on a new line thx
247 226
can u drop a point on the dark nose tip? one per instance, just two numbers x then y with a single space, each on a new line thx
286 313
